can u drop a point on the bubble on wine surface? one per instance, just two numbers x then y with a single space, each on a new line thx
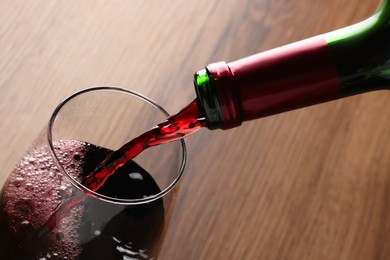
35 189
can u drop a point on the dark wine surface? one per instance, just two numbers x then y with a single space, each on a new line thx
89 229
188 121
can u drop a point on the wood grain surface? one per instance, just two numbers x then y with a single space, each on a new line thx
312 183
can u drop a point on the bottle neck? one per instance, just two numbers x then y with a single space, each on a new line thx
362 53
345 62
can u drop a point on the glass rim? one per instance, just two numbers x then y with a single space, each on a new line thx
90 192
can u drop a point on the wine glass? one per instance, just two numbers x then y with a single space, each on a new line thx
45 211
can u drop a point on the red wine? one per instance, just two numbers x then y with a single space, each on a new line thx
89 229
186 122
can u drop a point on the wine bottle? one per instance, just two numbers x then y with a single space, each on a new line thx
349 61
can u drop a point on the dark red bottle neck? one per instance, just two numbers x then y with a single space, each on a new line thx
279 80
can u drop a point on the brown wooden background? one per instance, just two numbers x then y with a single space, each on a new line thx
308 184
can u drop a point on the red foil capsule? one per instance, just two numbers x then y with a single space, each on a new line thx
282 79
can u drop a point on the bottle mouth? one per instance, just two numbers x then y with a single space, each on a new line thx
217 93
76 183
208 98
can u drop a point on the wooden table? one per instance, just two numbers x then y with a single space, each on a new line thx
308 184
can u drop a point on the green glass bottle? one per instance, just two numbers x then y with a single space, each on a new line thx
353 60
